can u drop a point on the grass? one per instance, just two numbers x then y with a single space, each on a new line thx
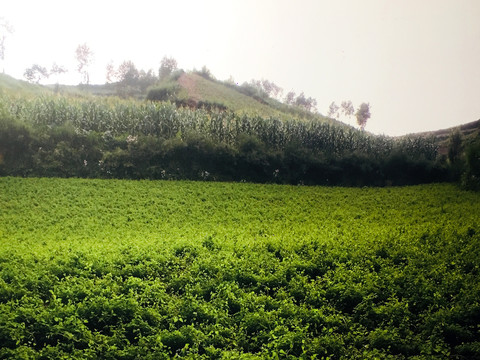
212 91
153 269
18 86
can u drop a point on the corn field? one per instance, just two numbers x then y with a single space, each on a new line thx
164 120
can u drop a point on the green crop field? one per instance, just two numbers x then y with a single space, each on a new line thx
117 269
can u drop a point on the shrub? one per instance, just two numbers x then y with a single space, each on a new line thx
471 176
164 92
15 146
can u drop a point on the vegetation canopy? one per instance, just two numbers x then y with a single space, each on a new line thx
68 136
155 269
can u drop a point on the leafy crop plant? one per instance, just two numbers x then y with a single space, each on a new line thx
116 269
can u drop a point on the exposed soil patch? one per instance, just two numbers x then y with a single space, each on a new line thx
190 84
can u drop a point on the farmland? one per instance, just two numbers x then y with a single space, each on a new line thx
121 269
94 137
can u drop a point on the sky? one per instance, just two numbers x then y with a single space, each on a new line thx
417 63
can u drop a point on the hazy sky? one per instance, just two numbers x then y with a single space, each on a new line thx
417 62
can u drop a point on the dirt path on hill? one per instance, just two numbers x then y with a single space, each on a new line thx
189 83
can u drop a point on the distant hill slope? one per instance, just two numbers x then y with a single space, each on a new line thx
469 131
11 84
198 90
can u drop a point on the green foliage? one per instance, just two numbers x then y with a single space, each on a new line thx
15 143
175 75
362 115
211 106
455 146
86 137
205 73
158 269
165 92
167 66
471 176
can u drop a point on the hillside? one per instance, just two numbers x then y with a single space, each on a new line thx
194 91
88 136
13 85
233 133
469 132
201 90
197 91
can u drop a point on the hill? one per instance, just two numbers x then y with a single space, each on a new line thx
469 131
88 136
203 90
195 91
191 90
207 129
200 90
13 85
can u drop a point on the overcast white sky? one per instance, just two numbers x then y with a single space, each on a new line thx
416 62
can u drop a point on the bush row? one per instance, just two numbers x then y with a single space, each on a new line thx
65 151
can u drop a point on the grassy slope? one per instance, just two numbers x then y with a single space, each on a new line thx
201 89
105 268
19 86
15 86
469 131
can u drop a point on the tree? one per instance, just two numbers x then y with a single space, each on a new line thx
265 88
471 176
129 79
290 98
347 108
84 56
167 66
455 146
308 104
333 111
230 81
127 76
5 28
146 79
57 70
363 114
206 73
111 74
274 89
127 73
36 73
